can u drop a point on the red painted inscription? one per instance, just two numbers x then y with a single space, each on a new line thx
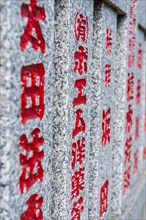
34 210
78 182
130 87
31 157
81 58
109 42
81 27
135 169
128 148
129 121
138 92
104 199
140 57
131 60
137 123
81 99
34 13
127 180
107 75
77 209
106 126
32 100
144 153
78 152
80 125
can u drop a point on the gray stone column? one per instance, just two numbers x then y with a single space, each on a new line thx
17 85
102 110
71 108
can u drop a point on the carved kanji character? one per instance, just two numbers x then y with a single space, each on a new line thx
104 199
80 125
128 147
77 209
78 182
127 177
78 152
137 123
131 60
80 100
144 153
106 127
132 42
109 42
130 87
135 168
132 24
32 100
107 75
81 27
129 121
140 54
138 92
34 211
81 58
34 15
31 157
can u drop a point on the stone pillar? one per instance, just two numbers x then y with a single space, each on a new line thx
26 117
142 74
71 109
102 110
120 80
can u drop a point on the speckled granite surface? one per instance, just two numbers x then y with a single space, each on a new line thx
12 61
101 163
64 114
101 100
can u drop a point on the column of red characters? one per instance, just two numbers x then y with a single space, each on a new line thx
106 121
78 147
32 107
130 97
138 109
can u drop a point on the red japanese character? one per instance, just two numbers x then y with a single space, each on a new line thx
132 25
32 100
137 123
135 162
30 159
80 125
107 75
34 211
128 147
144 153
132 42
81 27
104 199
129 120
106 127
131 60
130 87
138 92
34 15
80 100
109 42
77 209
131 12
127 177
81 58
78 182
78 152
140 57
